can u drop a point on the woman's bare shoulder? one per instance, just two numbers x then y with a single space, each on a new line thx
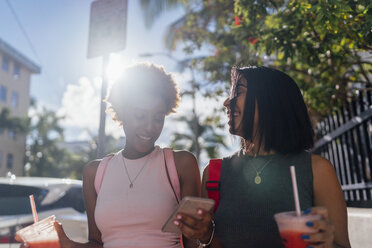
188 172
325 178
184 156
321 165
185 161
90 168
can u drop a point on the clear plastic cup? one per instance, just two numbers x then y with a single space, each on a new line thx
292 227
41 234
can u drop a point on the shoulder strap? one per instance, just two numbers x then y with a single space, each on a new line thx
174 181
213 183
171 169
101 170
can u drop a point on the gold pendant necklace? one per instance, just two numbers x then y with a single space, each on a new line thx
126 171
257 178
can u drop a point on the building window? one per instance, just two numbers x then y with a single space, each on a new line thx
9 161
14 99
16 71
3 93
11 134
5 63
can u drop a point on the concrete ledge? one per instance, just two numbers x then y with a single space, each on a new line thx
360 227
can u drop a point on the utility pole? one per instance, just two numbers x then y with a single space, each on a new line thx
102 112
107 34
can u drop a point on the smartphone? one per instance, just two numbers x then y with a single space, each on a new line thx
189 205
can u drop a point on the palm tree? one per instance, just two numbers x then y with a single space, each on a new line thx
200 136
207 138
43 156
79 158
154 8
15 124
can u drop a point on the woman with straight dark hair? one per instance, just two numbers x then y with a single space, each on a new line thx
266 109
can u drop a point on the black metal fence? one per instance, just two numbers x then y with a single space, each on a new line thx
345 138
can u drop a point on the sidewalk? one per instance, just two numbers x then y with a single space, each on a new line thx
360 227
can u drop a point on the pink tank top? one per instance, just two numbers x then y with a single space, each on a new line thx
133 217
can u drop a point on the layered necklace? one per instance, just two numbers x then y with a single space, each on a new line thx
127 172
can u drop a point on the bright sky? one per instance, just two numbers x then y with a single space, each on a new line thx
69 82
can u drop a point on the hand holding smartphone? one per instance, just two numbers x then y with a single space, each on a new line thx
189 205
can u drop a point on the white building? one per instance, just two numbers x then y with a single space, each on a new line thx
15 74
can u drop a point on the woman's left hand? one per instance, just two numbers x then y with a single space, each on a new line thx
64 241
325 236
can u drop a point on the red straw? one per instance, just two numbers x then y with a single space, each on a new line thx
295 190
33 208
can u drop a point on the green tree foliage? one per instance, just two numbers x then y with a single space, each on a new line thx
45 152
78 159
16 124
207 139
324 45
112 145
43 156
154 8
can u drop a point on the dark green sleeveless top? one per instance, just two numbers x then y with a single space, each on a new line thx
244 217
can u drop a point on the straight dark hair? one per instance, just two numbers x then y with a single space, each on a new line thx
283 120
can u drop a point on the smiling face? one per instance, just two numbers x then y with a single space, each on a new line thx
143 120
235 105
139 100
266 108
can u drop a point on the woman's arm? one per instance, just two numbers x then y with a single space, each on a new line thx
90 197
200 228
189 176
188 173
328 194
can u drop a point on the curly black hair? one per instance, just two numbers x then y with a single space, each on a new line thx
142 77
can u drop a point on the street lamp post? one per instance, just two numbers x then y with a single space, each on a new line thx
107 34
102 113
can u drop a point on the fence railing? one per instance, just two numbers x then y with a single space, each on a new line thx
346 140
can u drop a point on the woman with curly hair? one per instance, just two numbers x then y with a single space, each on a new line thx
129 195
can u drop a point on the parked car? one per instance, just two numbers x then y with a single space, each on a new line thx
61 197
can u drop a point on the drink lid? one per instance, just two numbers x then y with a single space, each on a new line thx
42 230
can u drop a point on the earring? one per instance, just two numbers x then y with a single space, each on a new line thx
248 147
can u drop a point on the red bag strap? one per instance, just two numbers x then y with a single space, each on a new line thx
213 183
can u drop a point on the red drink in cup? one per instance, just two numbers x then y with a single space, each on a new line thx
46 244
292 227
41 234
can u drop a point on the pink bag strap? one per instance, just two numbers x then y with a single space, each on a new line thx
172 172
101 170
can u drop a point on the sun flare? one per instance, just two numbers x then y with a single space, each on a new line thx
115 68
